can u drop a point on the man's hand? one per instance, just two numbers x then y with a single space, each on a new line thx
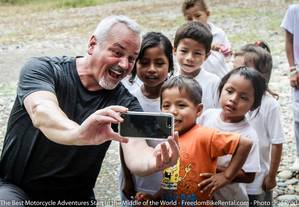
96 129
294 80
167 153
143 160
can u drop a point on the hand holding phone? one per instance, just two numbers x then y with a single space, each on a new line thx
147 125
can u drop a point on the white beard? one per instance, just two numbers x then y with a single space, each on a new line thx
106 84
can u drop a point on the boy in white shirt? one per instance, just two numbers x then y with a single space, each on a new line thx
192 45
197 10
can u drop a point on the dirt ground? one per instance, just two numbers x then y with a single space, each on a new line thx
27 32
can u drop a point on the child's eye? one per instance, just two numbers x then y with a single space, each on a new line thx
183 51
245 98
160 63
143 62
165 106
229 91
182 105
199 53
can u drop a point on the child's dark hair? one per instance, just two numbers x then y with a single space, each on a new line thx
184 83
191 3
257 55
263 44
256 78
195 31
154 39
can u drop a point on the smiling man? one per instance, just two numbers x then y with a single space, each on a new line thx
60 126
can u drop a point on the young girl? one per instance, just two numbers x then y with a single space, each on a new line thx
197 10
153 66
241 91
266 123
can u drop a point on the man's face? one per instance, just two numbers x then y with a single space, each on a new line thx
114 58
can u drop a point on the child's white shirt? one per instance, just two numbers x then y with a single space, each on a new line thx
234 191
267 124
209 84
215 64
131 86
148 184
219 35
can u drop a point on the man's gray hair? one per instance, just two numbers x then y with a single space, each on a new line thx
103 28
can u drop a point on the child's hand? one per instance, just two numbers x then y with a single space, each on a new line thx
144 197
269 183
212 182
222 49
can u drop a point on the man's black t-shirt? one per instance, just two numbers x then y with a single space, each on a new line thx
32 161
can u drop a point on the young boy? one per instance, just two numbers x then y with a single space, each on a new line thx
194 179
192 45
198 10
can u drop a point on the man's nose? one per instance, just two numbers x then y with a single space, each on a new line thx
124 63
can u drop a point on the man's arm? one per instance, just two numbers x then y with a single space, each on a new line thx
293 74
144 160
46 115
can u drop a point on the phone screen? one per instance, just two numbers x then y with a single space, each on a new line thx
146 125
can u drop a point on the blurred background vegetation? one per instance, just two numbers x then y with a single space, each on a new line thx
57 3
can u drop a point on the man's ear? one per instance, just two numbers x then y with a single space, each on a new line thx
199 108
91 44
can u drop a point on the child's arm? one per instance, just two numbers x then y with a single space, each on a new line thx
241 177
214 182
270 179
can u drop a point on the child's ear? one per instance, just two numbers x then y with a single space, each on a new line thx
199 108
208 13
174 50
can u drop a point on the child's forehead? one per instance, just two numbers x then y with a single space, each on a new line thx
176 92
190 42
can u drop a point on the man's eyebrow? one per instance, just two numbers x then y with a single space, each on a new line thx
123 48
119 45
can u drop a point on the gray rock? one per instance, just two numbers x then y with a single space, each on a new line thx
292 181
286 174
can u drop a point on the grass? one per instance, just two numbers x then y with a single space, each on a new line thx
55 3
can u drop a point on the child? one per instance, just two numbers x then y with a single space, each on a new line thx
290 25
192 44
153 64
241 91
266 123
184 184
197 10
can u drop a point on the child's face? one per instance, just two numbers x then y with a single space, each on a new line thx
190 55
152 68
183 109
237 98
196 14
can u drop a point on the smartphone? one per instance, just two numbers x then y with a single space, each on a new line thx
147 125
